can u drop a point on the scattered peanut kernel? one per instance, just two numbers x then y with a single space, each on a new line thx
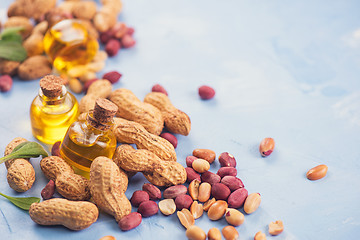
260 236
108 238
6 83
234 217
204 192
171 138
267 146
252 202
159 88
112 47
200 165
214 234
206 92
317 172
167 206
230 233
55 150
194 189
112 76
275 228
186 218
217 210
208 204
195 233
196 209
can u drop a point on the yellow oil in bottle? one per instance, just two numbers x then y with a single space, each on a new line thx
84 142
68 44
51 117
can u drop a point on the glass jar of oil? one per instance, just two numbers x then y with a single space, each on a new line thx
89 138
68 44
53 110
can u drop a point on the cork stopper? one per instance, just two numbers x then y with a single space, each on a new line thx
51 86
104 110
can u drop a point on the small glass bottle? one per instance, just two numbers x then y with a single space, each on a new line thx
68 44
53 110
89 138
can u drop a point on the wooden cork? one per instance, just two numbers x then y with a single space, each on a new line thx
104 110
51 86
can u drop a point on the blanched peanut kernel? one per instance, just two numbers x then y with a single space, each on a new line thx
317 172
214 234
234 217
194 189
230 233
275 228
260 236
108 238
196 209
204 192
208 204
200 165
252 203
217 210
195 233
167 206
185 217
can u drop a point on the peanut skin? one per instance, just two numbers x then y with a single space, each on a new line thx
133 132
68 184
131 108
175 120
75 215
157 171
107 187
21 174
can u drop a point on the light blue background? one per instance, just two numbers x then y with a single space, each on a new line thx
285 69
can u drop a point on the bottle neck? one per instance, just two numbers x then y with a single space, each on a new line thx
53 101
98 125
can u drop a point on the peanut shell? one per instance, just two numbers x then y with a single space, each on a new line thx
107 187
75 215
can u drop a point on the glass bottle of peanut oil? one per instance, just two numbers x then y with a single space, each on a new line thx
91 137
53 110
68 44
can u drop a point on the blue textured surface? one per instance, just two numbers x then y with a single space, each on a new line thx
280 69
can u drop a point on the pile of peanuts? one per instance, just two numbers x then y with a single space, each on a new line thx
220 195
101 23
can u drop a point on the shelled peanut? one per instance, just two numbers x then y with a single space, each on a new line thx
195 233
70 185
130 221
275 228
260 236
317 172
267 146
230 233
20 172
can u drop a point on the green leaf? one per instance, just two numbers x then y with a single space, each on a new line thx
12 38
26 150
19 146
13 51
10 31
22 202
